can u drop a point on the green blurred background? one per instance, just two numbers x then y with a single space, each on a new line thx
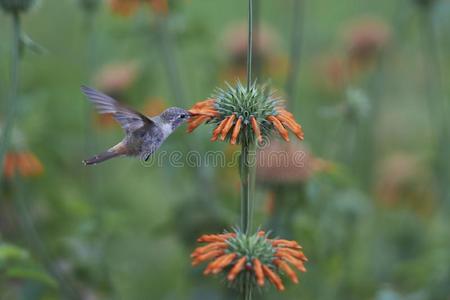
371 207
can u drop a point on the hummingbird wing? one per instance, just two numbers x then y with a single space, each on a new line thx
129 119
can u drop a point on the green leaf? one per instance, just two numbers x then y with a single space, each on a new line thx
31 274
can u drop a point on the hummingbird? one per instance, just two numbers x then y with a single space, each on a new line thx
143 134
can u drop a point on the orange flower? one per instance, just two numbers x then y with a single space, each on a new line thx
25 163
237 254
244 114
126 8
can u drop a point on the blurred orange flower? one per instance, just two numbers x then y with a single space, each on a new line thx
24 162
155 106
126 8
114 78
365 38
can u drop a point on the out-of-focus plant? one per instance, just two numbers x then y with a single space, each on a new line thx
15 8
267 56
285 169
18 265
437 101
404 181
365 39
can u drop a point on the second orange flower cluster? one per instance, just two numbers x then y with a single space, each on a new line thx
264 258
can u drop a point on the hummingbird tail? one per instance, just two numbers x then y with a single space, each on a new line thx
111 153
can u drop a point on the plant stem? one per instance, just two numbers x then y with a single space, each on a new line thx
438 106
247 171
67 290
13 98
296 44
250 44
247 162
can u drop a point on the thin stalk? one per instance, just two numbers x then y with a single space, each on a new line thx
257 61
438 104
247 163
13 97
247 171
296 44
250 44
166 48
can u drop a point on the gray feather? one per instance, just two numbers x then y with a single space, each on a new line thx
128 118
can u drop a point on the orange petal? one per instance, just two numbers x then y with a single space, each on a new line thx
292 125
197 121
286 113
224 262
209 247
257 267
198 260
256 128
295 253
274 278
204 111
209 238
286 243
227 127
237 268
283 132
297 263
236 130
286 269
212 265
218 129
209 103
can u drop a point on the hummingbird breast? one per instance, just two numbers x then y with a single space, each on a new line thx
145 140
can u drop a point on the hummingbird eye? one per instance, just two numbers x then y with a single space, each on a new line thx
182 116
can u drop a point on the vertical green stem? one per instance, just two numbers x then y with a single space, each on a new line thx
438 105
247 171
296 43
13 97
166 48
250 44
247 163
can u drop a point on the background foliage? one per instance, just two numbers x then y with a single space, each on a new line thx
374 223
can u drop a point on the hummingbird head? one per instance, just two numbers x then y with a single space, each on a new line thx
175 116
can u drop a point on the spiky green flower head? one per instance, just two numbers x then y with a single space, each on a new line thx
257 102
244 115
240 257
16 6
